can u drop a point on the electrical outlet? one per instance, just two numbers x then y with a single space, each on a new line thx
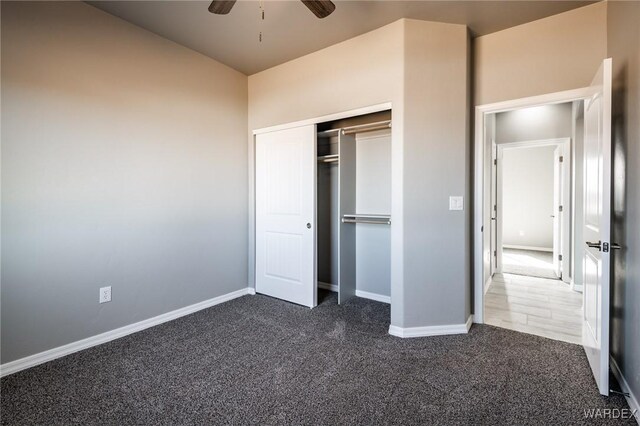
105 294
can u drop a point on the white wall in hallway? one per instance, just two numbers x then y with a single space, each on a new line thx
528 196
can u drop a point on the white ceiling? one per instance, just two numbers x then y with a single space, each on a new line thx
290 30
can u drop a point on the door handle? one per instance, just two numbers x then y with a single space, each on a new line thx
615 246
597 245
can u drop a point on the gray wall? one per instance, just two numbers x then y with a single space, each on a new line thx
623 42
123 163
530 124
437 152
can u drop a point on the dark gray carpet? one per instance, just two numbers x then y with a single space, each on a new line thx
257 360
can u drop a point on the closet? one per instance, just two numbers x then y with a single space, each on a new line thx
323 210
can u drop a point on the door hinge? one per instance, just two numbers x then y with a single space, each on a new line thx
560 208
561 158
495 208
495 162
495 253
560 257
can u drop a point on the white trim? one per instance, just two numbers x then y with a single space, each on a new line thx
624 386
251 291
487 284
478 214
539 100
373 296
530 248
59 352
327 286
330 117
434 330
575 287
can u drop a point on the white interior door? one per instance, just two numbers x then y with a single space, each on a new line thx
597 211
285 214
557 213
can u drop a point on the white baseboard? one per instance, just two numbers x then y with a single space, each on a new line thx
532 248
575 287
373 296
434 330
624 385
251 291
59 352
327 286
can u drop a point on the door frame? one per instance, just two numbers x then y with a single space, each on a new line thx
567 216
481 112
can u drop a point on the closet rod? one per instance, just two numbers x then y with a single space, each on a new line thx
369 127
363 218
332 158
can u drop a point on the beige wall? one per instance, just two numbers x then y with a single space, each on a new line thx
624 47
124 164
553 54
429 98
362 71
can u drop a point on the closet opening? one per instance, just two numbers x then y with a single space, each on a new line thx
353 208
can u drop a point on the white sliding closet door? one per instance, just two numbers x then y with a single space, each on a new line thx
285 214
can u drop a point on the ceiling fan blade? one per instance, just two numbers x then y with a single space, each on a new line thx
221 7
320 8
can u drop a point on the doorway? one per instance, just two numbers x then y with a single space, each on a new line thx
529 288
591 229
532 209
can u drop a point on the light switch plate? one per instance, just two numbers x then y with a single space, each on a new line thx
456 203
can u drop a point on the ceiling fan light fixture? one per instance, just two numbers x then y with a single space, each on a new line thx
221 7
320 8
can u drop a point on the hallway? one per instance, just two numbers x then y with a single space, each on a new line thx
544 307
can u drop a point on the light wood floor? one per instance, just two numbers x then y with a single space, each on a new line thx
544 307
528 262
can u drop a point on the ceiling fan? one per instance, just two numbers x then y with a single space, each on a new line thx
320 8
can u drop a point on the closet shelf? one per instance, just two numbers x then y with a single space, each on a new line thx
332 158
329 133
376 219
